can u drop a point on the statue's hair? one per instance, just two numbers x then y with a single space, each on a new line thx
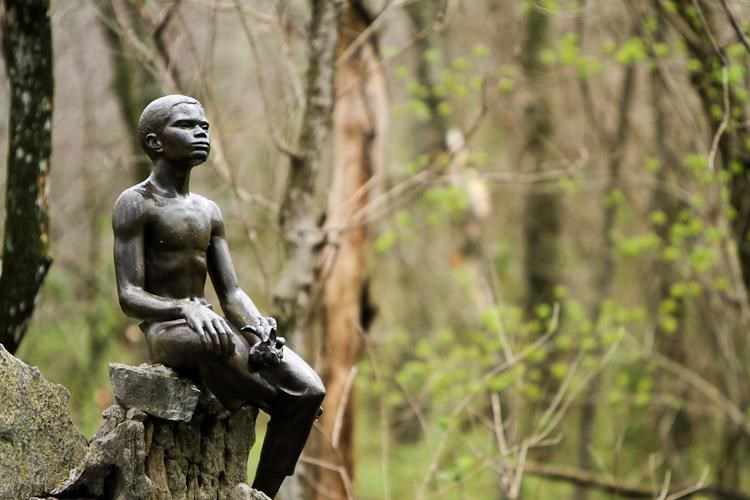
155 116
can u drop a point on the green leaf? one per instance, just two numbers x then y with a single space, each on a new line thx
632 51
736 50
431 56
661 49
559 370
480 50
507 85
385 241
658 217
736 74
460 64
609 46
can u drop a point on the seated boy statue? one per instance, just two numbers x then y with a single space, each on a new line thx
166 240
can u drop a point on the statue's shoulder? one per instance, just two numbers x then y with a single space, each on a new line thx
209 206
133 195
130 206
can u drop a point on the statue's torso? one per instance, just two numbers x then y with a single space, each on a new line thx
177 234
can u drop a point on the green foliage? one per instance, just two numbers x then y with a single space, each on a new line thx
632 51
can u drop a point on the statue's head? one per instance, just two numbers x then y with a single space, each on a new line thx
174 127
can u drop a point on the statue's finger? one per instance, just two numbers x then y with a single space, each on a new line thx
230 335
213 336
198 331
204 338
230 343
222 334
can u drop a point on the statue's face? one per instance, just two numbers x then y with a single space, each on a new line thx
185 137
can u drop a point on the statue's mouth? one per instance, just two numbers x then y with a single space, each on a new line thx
203 146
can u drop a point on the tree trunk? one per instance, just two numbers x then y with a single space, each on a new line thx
696 27
359 126
431 138
26 259
542 211
300 232
133 84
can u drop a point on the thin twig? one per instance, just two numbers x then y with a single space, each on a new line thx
724 119
341 410
283 145
736 25
588 480
335 468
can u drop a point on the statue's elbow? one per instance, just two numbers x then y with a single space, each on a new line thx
127 302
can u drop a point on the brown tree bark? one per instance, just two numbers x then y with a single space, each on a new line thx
359 126
26 259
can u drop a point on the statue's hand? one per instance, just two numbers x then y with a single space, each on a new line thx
265 328
213 330
268 350
270 325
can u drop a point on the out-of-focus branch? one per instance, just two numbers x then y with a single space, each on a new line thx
588 480
736 25
280 142
158 36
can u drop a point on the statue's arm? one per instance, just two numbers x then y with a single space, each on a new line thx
236 304
128 221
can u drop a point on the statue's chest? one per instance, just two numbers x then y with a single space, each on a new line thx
178 227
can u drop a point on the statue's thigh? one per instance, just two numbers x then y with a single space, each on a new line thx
175 344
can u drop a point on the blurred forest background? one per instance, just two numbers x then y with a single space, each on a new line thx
512 235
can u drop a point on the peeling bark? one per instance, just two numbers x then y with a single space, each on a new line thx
26 259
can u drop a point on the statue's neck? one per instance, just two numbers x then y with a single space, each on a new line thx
174 180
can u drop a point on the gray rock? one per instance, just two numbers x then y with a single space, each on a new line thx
155 390
244 492
113 466
38 441
135 414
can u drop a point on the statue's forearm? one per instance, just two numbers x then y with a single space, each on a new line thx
239 309
140 304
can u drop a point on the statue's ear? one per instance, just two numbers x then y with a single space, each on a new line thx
153 143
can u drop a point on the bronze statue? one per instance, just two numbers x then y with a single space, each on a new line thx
166 239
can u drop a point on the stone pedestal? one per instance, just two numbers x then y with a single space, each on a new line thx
164 439
38 441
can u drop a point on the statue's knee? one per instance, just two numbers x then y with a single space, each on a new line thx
317 392
312 396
